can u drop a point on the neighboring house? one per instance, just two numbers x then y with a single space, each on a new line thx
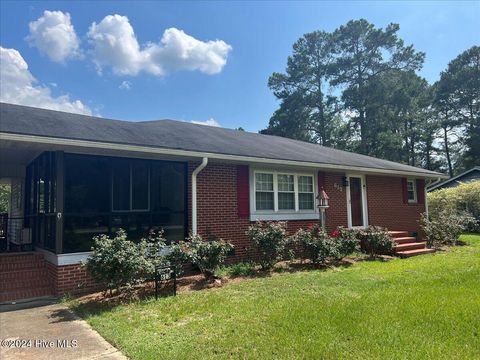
468 176
74 177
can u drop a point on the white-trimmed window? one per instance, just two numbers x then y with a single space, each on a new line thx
306 194
411 191
286 192
264 191
283 192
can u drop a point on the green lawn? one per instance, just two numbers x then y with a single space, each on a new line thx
427 307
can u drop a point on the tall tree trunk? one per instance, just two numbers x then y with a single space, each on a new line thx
447 150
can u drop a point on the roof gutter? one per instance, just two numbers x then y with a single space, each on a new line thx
194 193
189 153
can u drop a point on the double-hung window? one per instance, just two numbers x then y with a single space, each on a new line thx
130 186
411 191
286 192
305 193
264 191
283 192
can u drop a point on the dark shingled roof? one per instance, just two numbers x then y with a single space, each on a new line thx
180 135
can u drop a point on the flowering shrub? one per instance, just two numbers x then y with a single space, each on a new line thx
207 255
270 239
445 227
347 241
117 262
375 240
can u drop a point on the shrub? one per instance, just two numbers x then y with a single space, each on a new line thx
347 241
445 227
177 255
270 239
375 240
464 197
117 262
155 249
317 246
208 255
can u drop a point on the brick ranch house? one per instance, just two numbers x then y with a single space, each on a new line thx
73 177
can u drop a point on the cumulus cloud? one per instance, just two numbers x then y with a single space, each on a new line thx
125 85
18 86
115 45
209 122
54 35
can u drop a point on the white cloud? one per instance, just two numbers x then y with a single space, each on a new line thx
18 86
115 45
54 35
209 122
125 85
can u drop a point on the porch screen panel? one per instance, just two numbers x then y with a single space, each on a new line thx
40 200
105 194
121 185
168 198
140 188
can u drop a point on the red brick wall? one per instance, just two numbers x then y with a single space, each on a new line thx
336 214
217 205
71 279
386 207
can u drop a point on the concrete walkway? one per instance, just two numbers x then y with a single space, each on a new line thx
47 330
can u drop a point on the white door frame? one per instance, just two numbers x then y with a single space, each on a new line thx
364 201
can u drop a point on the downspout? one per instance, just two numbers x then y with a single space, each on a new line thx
194 193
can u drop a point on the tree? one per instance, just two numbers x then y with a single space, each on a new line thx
364 54
458 102
306 111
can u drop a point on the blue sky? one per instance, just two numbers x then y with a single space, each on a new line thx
224 80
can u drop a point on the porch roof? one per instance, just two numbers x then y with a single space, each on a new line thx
177 137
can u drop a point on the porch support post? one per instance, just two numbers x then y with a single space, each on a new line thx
59 201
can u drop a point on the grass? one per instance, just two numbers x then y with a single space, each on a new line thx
426 307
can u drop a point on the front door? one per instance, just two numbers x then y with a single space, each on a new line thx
356 202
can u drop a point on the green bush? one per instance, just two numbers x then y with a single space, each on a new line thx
177 255
117 262
207 255
316 245
347 241
269 238
375 240
465 197
445 227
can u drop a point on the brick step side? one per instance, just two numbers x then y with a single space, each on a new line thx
25 293
398 233
403 240
6 266
409 253
410 246
23 274
21 284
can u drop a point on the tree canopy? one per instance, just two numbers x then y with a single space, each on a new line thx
357 89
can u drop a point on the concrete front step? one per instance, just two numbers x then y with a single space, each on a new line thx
403 240
410 246
409 253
